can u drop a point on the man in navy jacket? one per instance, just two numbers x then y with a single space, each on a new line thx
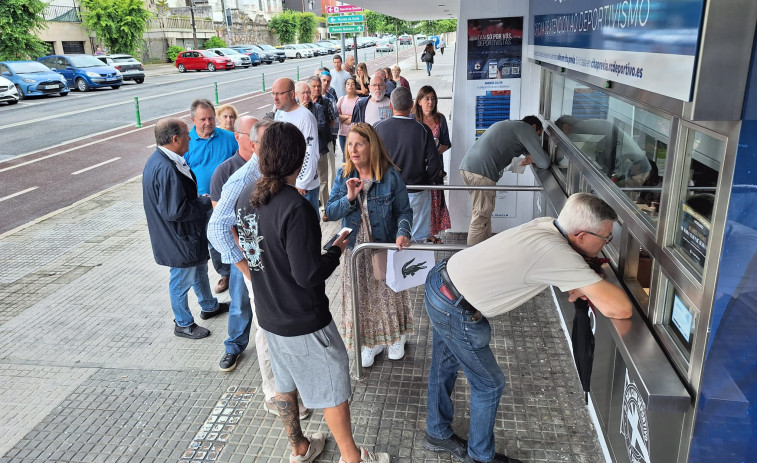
176 219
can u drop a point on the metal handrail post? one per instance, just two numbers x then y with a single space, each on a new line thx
353 275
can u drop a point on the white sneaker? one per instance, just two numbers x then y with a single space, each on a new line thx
397 350
371 457
317 442
369 354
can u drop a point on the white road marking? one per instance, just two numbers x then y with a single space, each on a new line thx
152 146
99 140
19 193
265 106
95 166
79 111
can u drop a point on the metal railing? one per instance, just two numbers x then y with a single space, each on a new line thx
417 246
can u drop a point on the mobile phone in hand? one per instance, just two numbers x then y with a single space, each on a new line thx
344 231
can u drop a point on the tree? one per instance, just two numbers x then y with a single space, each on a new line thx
214 42
120 24
306 27
19 21
285 26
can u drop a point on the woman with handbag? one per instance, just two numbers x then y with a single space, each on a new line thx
425 110
371 199
428 57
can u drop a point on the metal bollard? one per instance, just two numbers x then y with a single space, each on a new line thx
321 63
298 74
136 107
374 54
216 86
263 77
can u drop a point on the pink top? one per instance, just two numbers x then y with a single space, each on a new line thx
345 107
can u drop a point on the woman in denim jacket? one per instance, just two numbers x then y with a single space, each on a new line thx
368 189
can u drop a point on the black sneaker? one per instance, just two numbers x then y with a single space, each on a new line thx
498 458
222 307
454 445
192 331
228 362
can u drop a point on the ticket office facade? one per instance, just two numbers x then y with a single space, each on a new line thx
677 382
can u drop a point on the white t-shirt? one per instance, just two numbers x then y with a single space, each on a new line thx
508 269
305 121
338 78
376 111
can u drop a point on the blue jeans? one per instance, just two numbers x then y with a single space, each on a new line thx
180 281
240 314
312 197
420 203
342 143
215 257
459 342
429 65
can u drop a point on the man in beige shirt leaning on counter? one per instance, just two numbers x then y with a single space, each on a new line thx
492 278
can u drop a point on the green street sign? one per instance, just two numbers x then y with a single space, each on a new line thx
345 29
352 18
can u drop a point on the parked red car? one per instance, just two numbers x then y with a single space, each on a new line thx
198 60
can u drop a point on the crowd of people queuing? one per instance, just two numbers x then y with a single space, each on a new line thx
241 192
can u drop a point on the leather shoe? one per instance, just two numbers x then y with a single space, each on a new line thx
454 445
498 458
193 331
222 285
222 307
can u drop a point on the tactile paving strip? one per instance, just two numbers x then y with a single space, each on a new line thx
217 428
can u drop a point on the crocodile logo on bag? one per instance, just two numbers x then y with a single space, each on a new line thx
411 270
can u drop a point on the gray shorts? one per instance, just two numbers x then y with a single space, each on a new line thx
315 364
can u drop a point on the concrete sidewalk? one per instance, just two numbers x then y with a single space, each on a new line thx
91 372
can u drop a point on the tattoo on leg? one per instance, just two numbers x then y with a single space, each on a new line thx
290 416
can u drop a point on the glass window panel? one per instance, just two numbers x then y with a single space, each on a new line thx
698 193
626 143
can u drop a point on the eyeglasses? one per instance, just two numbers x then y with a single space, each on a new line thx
606 239
281 93
377 85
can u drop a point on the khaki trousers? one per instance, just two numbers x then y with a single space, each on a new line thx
483 207
326 171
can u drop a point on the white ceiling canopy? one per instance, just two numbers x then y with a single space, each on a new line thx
412 10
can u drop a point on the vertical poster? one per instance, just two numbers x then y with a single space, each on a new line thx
495 48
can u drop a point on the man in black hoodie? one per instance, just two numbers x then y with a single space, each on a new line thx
412 148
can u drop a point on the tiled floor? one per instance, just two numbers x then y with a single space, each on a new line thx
91 372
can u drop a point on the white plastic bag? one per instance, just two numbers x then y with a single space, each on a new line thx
407 268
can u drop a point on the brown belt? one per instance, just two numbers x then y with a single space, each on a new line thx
451 293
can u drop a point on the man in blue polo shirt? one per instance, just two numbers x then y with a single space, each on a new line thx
209 146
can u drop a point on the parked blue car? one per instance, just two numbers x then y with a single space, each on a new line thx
32 78
84 72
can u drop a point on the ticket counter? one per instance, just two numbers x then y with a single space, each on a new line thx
663 388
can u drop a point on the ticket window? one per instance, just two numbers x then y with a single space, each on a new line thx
697 196
638 271
626 143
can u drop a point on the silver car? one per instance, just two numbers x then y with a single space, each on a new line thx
239 58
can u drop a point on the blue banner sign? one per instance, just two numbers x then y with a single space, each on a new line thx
648 44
